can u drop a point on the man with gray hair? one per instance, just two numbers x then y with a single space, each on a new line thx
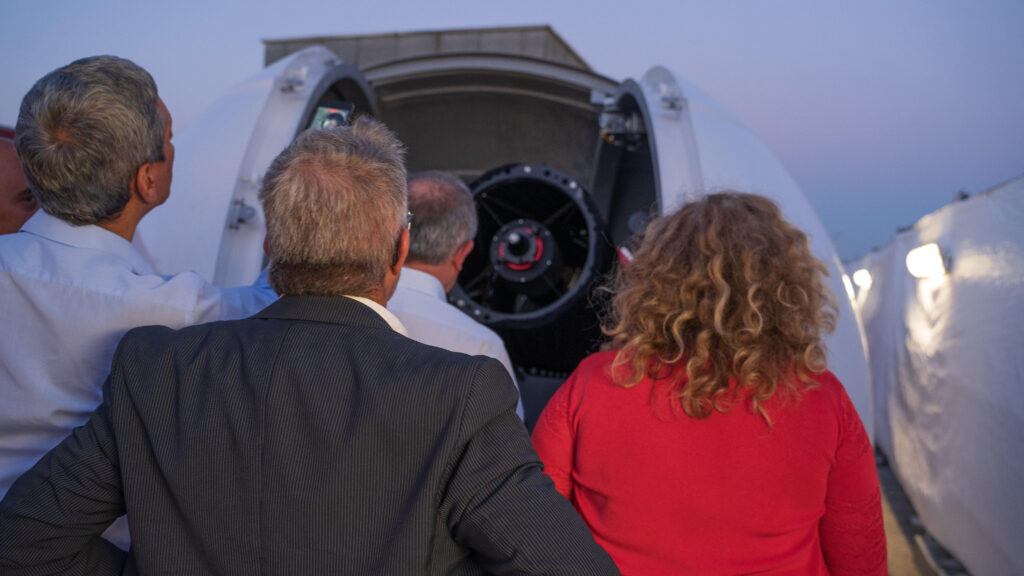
441 239
94 139
312 438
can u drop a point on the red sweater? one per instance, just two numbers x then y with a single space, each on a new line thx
668 494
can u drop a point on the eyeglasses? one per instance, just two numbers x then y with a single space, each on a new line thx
408 220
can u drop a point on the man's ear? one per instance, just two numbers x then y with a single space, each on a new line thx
461 253
403 251
145 186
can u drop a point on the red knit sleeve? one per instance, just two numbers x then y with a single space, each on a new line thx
554 438
852 530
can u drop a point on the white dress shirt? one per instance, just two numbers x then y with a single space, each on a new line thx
67 295
384 313
420 303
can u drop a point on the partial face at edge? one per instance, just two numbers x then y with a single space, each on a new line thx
16 201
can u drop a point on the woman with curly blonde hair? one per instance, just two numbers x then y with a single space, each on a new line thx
709 437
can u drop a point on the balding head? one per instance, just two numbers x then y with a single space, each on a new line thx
445 216
16 201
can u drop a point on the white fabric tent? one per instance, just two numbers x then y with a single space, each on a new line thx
947 365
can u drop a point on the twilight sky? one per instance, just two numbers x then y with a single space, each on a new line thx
881 110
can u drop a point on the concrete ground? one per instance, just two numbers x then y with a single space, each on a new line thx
899 532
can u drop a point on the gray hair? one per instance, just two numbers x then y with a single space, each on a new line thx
83 132
444 216
335 204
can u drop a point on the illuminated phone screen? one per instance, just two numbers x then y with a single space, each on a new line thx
332 114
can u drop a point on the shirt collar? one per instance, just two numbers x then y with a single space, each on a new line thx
90 236
383 312
420 281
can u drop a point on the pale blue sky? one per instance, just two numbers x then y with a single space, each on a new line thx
881 110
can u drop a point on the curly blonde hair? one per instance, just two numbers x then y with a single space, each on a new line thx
731 289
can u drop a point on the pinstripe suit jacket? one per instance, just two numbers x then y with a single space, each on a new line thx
309 439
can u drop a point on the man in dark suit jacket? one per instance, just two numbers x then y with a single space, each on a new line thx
312 438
